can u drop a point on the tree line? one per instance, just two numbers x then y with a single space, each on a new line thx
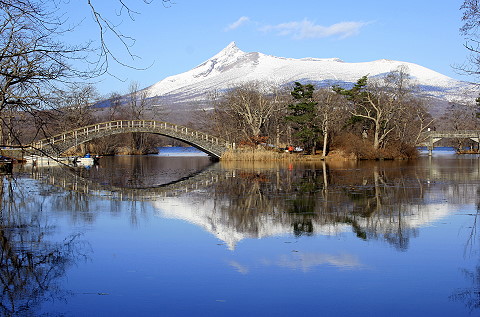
376 117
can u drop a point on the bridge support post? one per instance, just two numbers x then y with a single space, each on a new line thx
430 146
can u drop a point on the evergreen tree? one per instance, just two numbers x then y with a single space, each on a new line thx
304 117
382 104
357 93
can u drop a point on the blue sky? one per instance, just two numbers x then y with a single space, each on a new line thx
171 40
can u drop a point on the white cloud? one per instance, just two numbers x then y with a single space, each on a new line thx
307 29
237 24
239 267
307 261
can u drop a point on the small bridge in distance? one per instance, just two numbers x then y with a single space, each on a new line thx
57 144
431 137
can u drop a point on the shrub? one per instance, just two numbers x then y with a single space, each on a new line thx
363 149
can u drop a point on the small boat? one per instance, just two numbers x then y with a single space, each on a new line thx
86 160
36 160
44 160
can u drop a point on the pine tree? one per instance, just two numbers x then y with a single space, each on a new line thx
303 116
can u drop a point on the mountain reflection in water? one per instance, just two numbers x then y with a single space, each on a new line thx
299 217
387 203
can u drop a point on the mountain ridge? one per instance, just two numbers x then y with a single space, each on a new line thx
231 67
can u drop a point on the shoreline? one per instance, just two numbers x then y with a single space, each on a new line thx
265 155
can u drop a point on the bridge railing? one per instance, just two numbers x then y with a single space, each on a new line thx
460 132
126 125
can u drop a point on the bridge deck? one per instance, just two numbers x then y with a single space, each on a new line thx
431 137
59 143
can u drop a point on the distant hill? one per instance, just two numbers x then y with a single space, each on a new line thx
231 67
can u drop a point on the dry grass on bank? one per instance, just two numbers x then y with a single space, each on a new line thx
347 148
266 155
255 154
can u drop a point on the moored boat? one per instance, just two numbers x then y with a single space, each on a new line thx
87 160
37 160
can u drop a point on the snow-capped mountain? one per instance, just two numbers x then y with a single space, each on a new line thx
231 67
212 217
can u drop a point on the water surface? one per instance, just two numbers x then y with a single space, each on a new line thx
183 236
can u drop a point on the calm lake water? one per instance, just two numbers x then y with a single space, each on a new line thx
167 235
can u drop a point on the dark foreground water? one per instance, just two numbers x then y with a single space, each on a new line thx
352 239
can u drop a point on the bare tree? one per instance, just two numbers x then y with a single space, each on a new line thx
108 28
460 116
331 113
382 102
373 104
136 102
217 120
135 109
32 59
114 108
249 108
414 119
76 110
471 20
35 60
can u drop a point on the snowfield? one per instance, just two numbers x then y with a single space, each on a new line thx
231 67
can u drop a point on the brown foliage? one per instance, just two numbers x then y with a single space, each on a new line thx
363 149
254 141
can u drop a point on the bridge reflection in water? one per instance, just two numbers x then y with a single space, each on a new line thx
386 202
71 179
331 231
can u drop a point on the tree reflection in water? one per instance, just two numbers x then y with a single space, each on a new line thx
376 203
251 200
30 264
471 296
385 202
382 201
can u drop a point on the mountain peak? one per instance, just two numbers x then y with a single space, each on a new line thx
231 67
230 51
231 46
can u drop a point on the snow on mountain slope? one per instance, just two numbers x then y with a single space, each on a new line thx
231 67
